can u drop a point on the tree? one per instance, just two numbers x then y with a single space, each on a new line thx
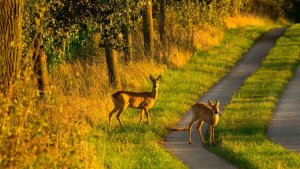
40 66
292 9
162 21
11 13
127 33
34 55
106 18
111 60
103 16
148 29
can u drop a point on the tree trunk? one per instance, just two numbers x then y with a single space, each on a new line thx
111 61
42 73
127 33
148 29
11 12
190 29
162 21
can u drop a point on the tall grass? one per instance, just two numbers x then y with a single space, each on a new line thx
242 129
240 20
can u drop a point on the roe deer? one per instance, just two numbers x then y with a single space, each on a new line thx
141 100
208 113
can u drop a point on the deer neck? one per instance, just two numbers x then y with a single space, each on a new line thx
154 92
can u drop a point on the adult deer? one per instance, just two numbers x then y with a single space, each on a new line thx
208 113
138 100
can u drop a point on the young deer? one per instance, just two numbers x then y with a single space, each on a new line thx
142 101
208 113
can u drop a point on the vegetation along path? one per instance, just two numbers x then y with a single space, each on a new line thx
285 127
194 155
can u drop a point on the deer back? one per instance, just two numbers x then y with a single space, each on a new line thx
204 112
133 99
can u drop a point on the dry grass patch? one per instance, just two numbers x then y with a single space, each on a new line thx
206 36
82 89
246 20
178 57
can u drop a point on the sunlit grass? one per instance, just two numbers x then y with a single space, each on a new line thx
139 146
246 20
206 36
242 129
82 99
178 57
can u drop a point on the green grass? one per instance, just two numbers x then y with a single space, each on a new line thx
140 146
243 126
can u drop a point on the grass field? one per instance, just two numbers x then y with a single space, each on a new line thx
242 129
139 146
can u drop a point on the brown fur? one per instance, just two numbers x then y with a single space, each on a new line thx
141 100
208 113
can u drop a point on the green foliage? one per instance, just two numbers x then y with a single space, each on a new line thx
206 13
106 17
65 21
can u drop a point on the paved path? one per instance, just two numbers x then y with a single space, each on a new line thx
285 124
194 155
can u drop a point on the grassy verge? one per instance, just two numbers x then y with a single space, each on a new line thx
138 146
242 129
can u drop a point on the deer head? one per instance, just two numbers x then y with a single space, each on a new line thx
155 82
215 107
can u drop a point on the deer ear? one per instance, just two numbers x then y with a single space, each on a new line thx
218 103
151 77
210 103
159 77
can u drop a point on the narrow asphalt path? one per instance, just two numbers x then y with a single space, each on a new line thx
194 155
285 125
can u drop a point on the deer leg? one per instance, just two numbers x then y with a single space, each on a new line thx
111 113
190 128
212 135
147 115
141 115
119 114
199 127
